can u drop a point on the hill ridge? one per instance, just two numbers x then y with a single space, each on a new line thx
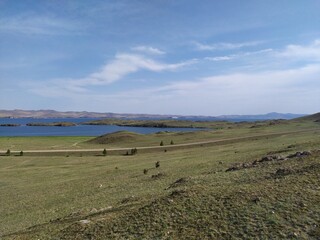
19 113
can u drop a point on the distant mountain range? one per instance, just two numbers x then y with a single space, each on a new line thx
268 116
84 114
72 114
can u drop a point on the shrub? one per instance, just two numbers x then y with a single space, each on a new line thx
104 152
8 152
161 143
157 164
134 151
145 171
21 153
171 142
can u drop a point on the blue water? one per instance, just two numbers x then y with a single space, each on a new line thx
79 130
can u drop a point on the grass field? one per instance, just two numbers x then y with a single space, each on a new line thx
190 196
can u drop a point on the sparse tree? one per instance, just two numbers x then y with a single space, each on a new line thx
21 153
161 143
171 142
8 152
104 152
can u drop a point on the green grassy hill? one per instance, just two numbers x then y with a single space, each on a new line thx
117 137
264 187
313 117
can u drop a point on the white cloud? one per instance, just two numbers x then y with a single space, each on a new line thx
122 65
221 58
290 90
276 58
224 46
38 25
302 52
238 55
293 90
148 50
281 88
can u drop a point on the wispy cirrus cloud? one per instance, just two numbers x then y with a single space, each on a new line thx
240 55
290 53
148 50
224 45
38 25
220 58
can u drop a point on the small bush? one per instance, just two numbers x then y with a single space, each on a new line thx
158 175
145 171
134 151
104 152
157 164
21 153
171 142
161 143
8 152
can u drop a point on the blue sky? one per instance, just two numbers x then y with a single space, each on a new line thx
161 57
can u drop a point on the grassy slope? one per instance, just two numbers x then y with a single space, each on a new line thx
313 117
210 203
31 143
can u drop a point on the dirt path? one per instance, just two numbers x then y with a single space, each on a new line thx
224 140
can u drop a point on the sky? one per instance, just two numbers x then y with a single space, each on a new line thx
182 57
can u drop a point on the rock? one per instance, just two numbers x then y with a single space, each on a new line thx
299 154
232 169
93 210
246 165
240 166
270 158
105 209
180 181
85 221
